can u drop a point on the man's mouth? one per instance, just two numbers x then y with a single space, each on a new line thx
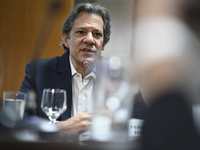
86 50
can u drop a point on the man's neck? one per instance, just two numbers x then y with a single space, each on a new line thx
84 71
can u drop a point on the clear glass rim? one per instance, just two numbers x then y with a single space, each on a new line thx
13 92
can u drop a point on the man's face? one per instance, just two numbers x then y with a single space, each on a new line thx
86 39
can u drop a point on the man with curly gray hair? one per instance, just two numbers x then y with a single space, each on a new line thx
85 32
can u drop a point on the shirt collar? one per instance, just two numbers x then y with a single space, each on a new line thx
73 71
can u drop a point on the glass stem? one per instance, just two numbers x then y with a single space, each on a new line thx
53 121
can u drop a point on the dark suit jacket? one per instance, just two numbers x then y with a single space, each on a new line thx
49 73
56 73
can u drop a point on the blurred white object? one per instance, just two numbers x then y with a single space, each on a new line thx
101 128
135 128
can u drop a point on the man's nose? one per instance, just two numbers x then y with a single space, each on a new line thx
89 38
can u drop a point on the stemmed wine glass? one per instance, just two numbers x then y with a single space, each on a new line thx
53 103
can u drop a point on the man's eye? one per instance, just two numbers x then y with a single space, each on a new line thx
98 34
80 32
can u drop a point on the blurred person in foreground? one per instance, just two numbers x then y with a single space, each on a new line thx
85 33
167 59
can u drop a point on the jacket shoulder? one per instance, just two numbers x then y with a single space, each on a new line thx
42 68
45 62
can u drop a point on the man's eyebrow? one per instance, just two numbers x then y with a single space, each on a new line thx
99 30
78 28
82 28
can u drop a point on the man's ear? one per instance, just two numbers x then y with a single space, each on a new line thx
65 39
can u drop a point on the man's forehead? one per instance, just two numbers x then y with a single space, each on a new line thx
85 20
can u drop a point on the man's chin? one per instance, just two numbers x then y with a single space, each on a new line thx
90 60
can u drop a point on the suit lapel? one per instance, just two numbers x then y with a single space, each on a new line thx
63 81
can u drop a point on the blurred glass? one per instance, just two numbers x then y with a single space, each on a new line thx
113 99
14 104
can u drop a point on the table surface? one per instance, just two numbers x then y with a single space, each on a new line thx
71 146
30 136
57 140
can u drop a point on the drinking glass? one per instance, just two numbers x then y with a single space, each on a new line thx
53 103
14 104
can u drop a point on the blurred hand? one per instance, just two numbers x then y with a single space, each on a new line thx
76 123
